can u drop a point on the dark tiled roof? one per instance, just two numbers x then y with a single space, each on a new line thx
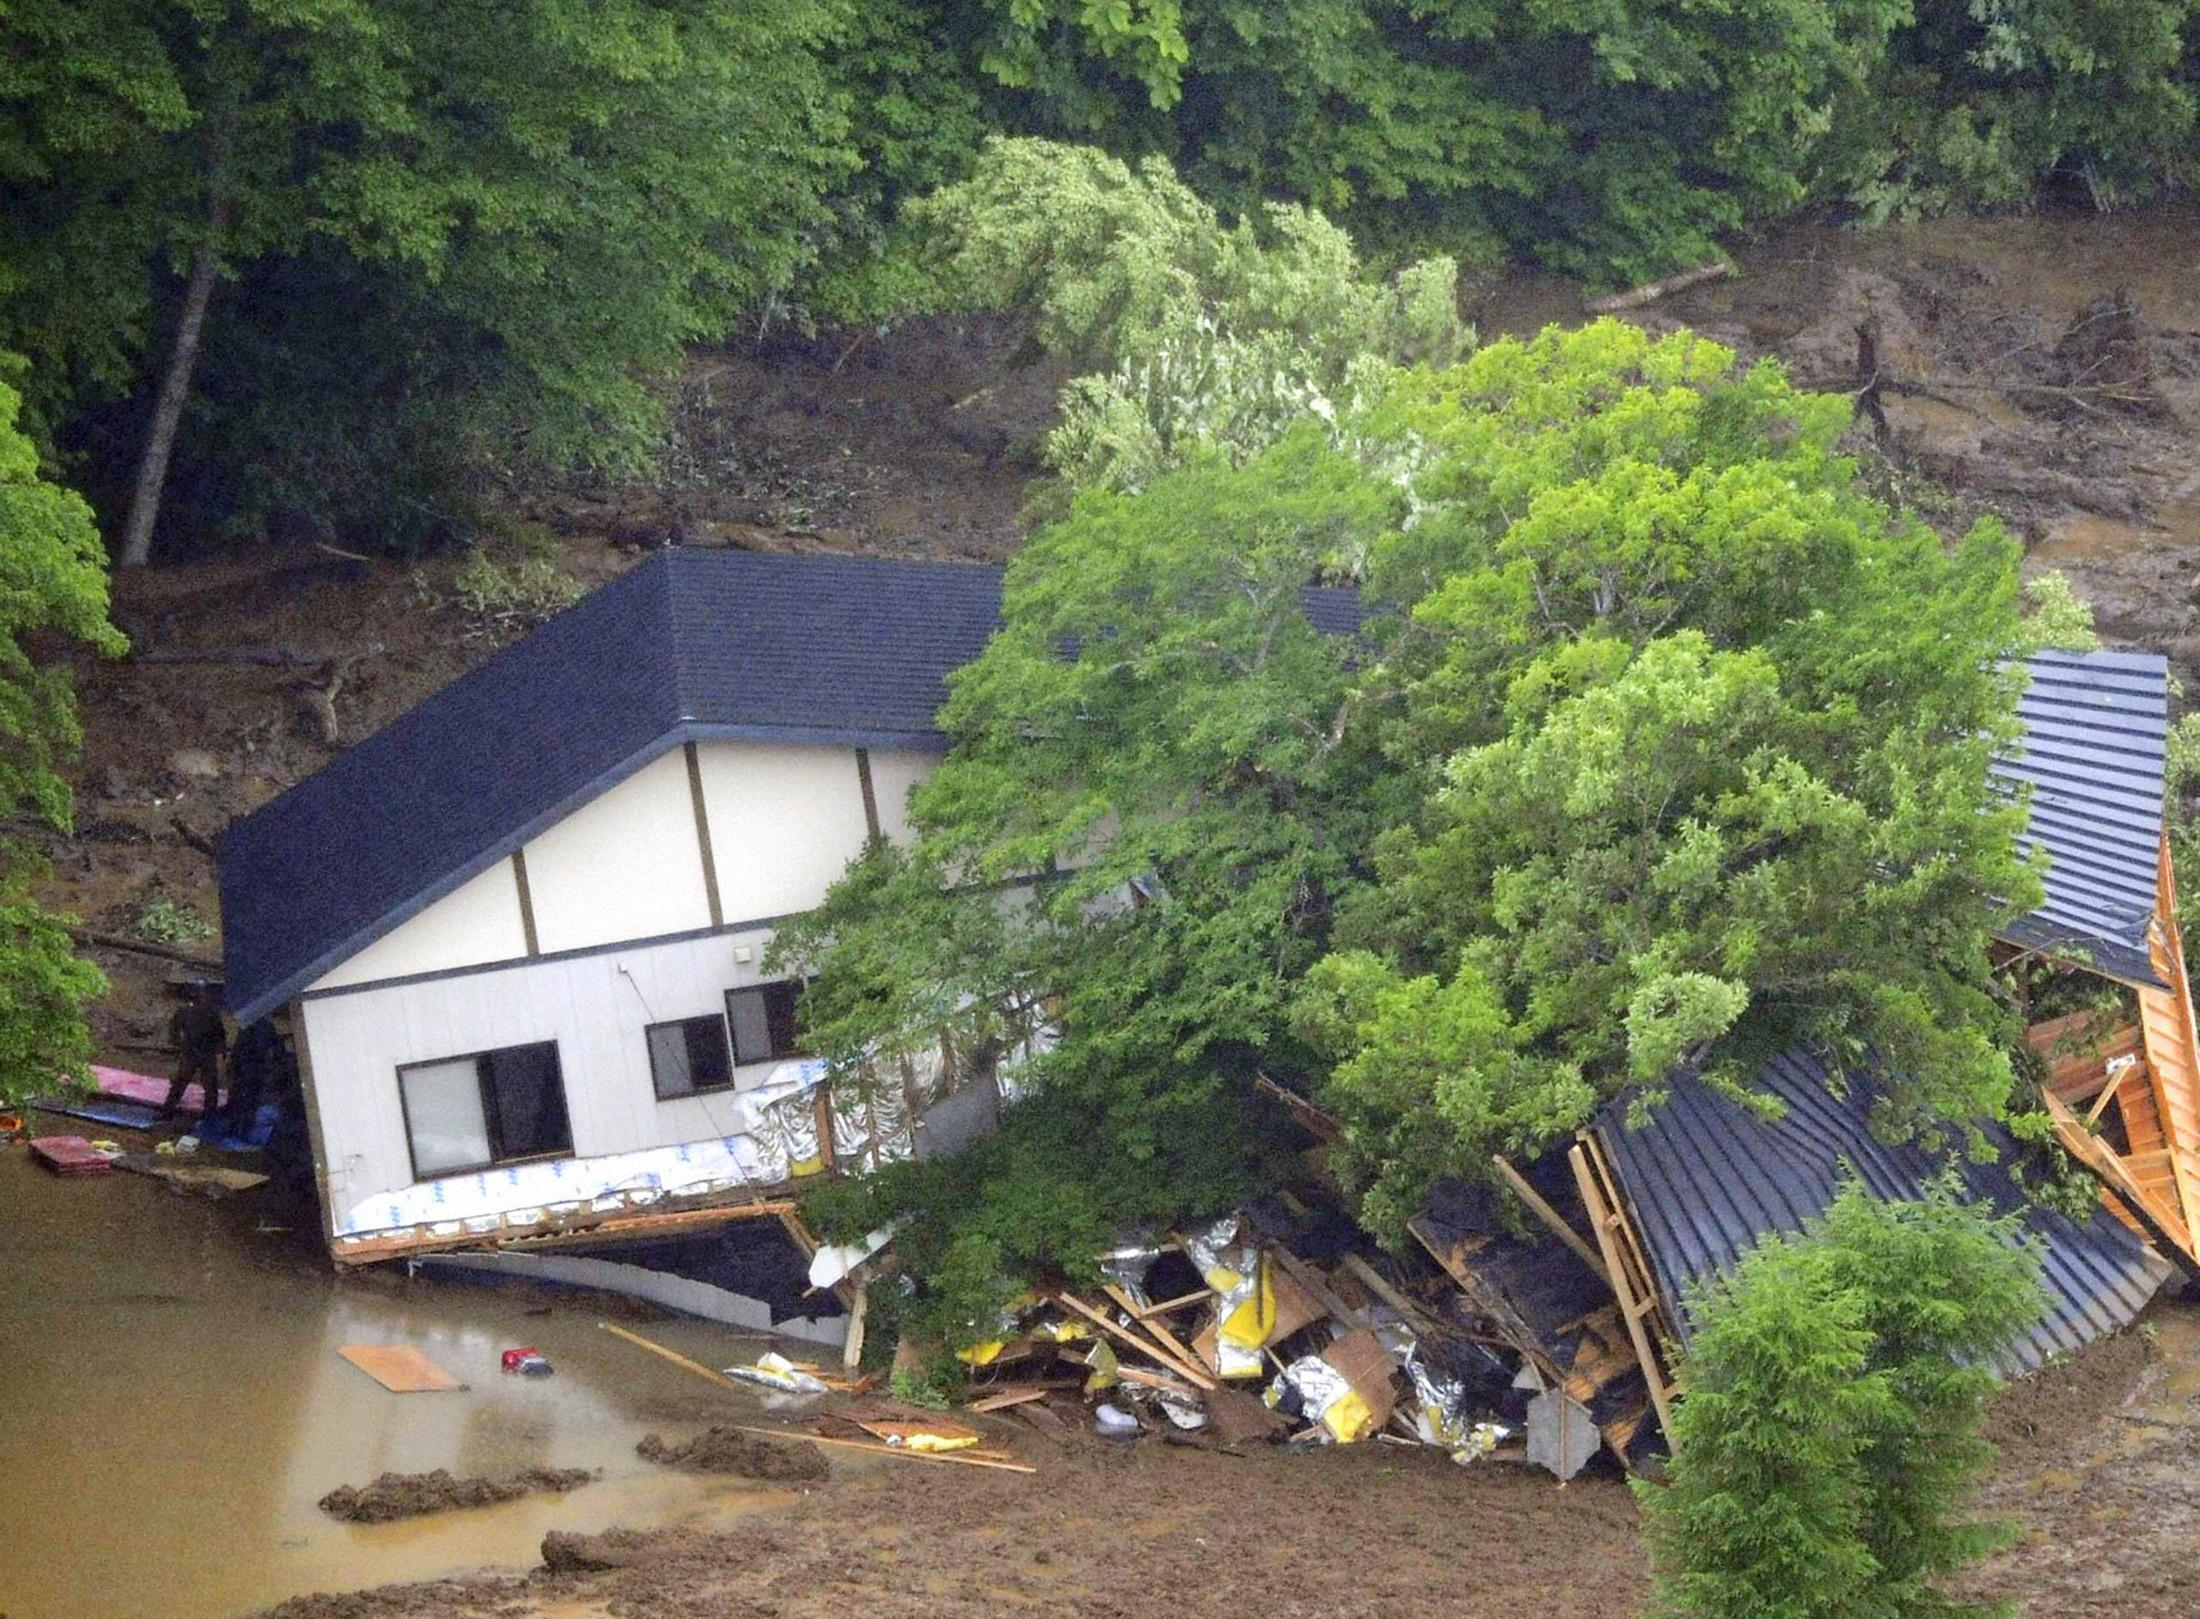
2095 734
1704 1178
691 644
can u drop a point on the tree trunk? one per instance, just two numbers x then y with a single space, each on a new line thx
175 386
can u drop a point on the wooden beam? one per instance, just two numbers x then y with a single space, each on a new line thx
1605 1223
531 941
870 794
702 835
672 1355
1153 1329
1550 1217
1378 1284
1145 1346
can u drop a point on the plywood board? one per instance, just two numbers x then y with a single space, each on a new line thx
400 1368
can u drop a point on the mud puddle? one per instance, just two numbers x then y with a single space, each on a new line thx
176 1408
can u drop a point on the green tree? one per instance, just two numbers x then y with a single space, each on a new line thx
1660 742
1209 339
1150 803
1705 733
1827 1438
497 225
1977 102
52 583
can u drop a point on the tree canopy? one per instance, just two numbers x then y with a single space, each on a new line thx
1262 829
442 237
356 261
53 583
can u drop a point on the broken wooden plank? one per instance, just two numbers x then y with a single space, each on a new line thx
673 1355
1008 1397
400 1368
1144 1346
1376 1283
1605 1221
1153 1329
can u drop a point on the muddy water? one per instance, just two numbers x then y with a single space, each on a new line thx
172 1406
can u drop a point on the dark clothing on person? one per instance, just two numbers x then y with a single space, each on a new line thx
197 1033
256 1072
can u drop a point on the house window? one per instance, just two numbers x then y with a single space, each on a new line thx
495 1107
688 1056
763 1021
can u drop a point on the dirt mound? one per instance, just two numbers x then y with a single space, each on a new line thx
729 1450
564 1552
413 1495
477 1594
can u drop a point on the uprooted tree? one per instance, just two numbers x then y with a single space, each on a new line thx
1828 1441
1650 739
53 584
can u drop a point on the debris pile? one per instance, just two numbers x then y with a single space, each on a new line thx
1271 1324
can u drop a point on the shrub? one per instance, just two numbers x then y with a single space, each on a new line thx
1829 1436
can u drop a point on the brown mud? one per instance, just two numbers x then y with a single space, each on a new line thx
728 1450
414 1495
2094 1459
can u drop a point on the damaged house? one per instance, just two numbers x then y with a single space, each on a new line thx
520 932
520 937
1639 1212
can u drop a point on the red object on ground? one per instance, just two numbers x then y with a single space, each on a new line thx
70 1155
513 1357
125 1086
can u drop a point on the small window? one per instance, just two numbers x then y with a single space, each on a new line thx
688 1056
764 1022
466 1113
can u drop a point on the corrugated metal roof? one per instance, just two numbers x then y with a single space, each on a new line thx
1704 1178
2096 728
852 651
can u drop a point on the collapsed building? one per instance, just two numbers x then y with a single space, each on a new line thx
521 938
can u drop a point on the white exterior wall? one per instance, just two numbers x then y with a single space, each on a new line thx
474 923
625 865
594 1006
892 775
784 822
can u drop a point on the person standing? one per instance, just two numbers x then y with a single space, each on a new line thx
200 1039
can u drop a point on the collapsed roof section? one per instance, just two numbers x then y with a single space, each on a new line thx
1702 1179
2094 755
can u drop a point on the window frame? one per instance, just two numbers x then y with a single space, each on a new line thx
795 987
725 1040
492 1123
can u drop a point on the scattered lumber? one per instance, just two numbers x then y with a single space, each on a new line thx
673 1355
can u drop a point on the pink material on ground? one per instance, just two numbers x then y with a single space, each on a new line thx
125 1086
69 1155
